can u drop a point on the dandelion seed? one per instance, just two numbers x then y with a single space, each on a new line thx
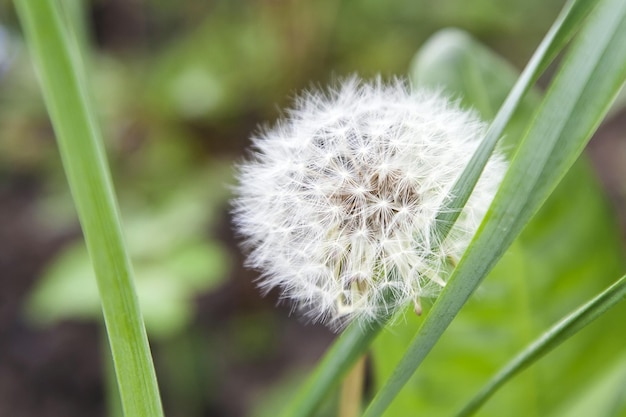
337 203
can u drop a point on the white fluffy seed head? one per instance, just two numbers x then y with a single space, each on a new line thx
337 203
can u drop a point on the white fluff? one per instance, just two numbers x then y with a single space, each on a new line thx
337 203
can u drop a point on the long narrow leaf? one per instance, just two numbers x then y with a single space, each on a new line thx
355 340
558 334
63 82
572 109
352 343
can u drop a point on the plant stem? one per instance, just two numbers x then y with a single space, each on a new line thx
57 58
352 390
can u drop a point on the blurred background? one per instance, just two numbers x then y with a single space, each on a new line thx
181 87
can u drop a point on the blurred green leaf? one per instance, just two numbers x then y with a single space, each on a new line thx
220 68
567 23
603 396
480 79
274 398
173 261
552 266
548 341
166 285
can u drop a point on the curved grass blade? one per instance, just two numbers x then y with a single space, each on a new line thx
558 334
574 106
356 340
63 80
348 347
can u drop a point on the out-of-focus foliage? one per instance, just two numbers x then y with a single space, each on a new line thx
182 85
219 68
603 396
549 271
173 261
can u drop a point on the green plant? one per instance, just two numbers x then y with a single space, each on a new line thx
533 243
588 81
67 95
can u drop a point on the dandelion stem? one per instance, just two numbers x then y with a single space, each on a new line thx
352 390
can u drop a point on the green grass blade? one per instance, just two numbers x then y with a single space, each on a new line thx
559 34
57 59
348 347
559 333
355 340
573 107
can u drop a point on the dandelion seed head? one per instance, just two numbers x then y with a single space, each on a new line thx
337 202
